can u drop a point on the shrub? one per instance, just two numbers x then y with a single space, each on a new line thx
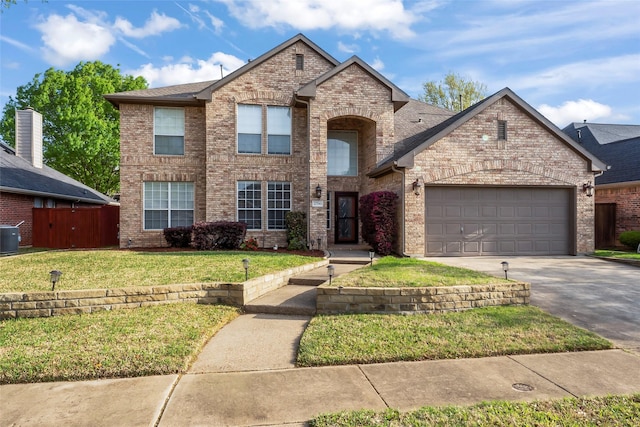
178 237
249 245
379 224
630 239
218 235
296 223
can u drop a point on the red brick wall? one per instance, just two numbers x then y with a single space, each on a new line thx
627 200
15 208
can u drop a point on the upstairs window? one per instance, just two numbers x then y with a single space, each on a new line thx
168 131
342 153
502 130
278 130
299 61
249 129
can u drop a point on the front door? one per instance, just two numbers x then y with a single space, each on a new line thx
346 218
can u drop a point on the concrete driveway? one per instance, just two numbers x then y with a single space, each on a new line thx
601 296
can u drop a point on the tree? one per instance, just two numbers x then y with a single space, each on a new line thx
453 91
80 128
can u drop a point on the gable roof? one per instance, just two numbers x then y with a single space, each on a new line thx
407 149
205 94
617 145
398 96
20 177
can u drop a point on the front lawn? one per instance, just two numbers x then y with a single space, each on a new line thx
152 340
107 269
391 272
482 332
578 412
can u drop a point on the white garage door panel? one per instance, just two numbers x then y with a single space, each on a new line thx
497 221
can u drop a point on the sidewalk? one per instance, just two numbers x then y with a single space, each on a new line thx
246 376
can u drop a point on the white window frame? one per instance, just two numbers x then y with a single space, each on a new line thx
176 131
180 197
248 127
333 156
277 129
278 201
249 204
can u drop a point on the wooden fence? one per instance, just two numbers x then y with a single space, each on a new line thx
64 228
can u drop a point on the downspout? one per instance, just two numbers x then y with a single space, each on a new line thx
308 104
403 233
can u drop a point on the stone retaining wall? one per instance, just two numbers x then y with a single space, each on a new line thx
332 300
45 304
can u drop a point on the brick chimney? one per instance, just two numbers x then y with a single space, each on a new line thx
29 136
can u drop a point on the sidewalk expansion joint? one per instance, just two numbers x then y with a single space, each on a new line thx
542 376
166 400
374 387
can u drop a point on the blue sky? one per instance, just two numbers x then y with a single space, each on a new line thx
572 60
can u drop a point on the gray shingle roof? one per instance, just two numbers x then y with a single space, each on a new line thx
417 116
617 145
19 176
178 94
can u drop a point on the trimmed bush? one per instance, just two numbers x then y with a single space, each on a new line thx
209 236
296 223
379 225
178 237
630 239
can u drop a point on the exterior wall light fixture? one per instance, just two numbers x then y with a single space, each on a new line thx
588 188
318 191
417 186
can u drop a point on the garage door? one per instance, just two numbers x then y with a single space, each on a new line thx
471 221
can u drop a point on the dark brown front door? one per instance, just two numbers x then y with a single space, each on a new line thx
346 218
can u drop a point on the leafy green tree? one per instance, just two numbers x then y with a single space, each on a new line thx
80 128
454 92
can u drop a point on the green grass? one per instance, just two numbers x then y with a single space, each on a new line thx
617 254
125 343
409 272
579 412
107 269
492 331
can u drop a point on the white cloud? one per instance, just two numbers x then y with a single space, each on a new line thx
586 74
16 43
68 40
380 16
188 70
155 25
347 48
377 64
575 111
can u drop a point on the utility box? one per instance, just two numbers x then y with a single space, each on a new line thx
9 239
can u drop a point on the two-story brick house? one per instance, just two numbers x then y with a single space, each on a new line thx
295 129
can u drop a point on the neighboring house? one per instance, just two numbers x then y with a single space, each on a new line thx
27 183
617 194
297 130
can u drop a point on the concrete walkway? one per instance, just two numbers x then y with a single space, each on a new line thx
246 376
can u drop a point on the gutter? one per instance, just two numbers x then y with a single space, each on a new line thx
55 196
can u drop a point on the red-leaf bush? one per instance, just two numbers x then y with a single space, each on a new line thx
379 224
178 237
209 236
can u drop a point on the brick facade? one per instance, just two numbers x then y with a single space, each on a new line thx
352 97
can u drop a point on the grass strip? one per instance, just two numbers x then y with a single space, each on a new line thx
622 410
617 254
108 269
392 272
491 331
152 340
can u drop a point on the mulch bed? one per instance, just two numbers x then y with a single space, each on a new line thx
312 253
